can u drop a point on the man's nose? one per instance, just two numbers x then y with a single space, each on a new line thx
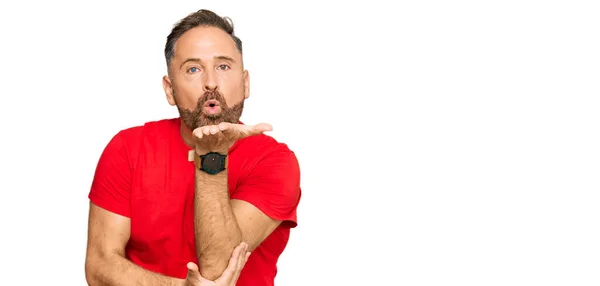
210 81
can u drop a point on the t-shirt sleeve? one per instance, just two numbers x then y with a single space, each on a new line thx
273 186
111 186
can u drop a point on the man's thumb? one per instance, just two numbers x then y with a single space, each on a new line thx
192 267
194 273
262 127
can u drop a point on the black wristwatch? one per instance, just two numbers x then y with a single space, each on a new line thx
212 163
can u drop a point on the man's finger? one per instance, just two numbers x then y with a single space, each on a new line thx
224 125
246 260
214 129
235 131
238 131
192 266
197 132
232 268
237 253
250 130
241 255
206 130
193 272
262 127
243 260
240 260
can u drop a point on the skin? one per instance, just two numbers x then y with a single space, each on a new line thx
106 264
229 277
206 61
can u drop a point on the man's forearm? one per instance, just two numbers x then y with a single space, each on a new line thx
216 229
117 270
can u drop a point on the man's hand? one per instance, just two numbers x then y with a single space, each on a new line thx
219 138
230 275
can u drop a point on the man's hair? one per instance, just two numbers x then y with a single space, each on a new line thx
201 18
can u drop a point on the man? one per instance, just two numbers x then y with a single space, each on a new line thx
174 195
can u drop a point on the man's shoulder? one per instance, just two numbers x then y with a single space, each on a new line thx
154 127
129 140
263 146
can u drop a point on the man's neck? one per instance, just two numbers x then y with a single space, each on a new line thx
187 136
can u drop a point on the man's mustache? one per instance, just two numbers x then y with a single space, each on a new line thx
211 95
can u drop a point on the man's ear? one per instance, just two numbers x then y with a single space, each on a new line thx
168 87
246 84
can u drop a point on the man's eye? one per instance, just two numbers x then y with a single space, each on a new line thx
224 67
193 69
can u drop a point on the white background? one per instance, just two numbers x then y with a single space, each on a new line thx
441 142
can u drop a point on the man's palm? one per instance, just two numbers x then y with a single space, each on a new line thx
230 275
219 138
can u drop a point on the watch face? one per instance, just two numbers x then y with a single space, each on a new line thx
213 163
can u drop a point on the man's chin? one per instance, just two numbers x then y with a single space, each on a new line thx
211 117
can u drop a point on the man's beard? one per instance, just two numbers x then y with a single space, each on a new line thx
198 118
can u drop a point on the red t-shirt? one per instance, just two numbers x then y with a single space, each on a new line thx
144 174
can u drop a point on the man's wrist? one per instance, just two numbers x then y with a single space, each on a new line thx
211 163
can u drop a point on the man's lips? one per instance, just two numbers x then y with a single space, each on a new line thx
211 103
212 107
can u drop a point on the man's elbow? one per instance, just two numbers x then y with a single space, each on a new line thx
91 271
95 268
212 265
215 258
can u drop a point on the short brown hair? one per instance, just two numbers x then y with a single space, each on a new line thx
204 18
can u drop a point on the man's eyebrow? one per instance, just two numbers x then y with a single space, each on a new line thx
226 58
197 60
